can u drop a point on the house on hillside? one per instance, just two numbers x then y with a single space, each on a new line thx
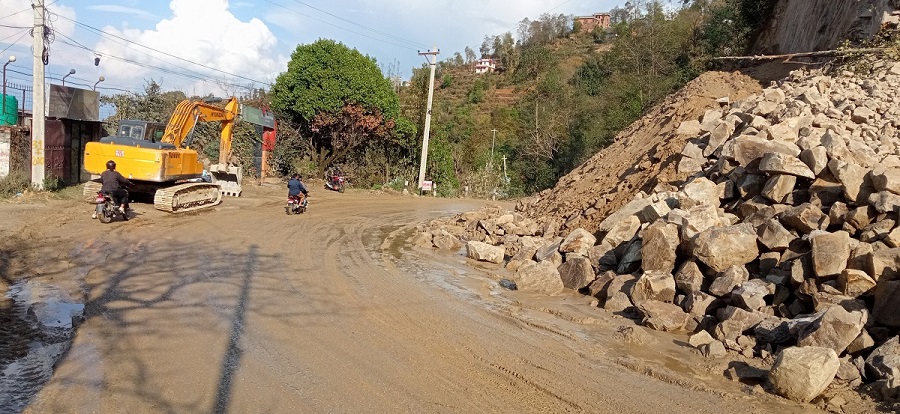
485 65
593 22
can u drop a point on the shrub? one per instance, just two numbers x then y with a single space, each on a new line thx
13 184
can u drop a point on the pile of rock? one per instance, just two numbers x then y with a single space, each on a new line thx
783 245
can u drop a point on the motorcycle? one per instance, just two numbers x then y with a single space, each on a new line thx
107 209
297 204
336 183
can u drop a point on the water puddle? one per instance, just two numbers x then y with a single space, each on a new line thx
38 321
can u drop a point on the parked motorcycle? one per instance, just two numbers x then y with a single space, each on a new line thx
107 209
297 204
336 183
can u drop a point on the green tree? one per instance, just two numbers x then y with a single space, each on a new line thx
151 105
335 94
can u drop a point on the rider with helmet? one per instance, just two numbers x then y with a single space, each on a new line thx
113 183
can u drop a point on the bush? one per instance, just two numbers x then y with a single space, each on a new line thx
13 184
53 183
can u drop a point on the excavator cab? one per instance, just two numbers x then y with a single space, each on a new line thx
142 130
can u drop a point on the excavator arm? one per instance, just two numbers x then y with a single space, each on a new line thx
180 129
181 125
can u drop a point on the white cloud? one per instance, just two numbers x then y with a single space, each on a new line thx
200 31
116 8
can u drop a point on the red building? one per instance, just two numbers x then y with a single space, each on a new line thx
593 22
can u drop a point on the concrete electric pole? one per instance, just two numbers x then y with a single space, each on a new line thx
38 110
493 138
433 63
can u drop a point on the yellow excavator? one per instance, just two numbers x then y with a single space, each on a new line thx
162 163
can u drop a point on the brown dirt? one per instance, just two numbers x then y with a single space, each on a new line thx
642 156
245 309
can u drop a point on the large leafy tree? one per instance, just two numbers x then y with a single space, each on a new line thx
338 97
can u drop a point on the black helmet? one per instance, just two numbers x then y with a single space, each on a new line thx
110 165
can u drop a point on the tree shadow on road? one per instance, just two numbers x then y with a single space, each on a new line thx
156 310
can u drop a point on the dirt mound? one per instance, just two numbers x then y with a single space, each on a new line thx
644 155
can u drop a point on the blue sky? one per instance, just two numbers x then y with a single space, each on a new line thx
220 46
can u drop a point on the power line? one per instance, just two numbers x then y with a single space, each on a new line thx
360 25
339 27
159 51
11 15
195 76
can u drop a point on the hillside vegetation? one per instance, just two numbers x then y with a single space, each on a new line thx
561 94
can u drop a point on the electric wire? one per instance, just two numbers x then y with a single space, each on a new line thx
360 25
131 42
194 76
339 27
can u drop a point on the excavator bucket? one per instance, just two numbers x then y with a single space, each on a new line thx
228 177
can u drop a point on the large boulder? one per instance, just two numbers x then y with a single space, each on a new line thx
659 246
726 281
662 316
697 219
689 278
654 285
484 252
836 328
775 163
622 231
700 191
778 187
698 304
884 361
855 283
802 373
774 236
735 321
830 252
446 241
617 294
576 272
723 247
751 294
887 303
853 178
748 148
805 218
578 241
886 179
884 264
539 278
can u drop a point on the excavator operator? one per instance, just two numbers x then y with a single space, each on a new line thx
113 183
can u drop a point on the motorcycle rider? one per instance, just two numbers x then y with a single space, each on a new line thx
113 183
296 187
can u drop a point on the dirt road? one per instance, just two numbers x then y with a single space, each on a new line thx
246 310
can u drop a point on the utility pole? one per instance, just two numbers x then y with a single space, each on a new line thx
493 138
433 63
38 111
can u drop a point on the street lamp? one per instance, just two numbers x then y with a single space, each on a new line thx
98 81
71 72
11 60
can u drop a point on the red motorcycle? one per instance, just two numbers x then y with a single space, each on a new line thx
297 204
107 209
336 182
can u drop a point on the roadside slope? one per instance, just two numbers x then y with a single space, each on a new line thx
643 155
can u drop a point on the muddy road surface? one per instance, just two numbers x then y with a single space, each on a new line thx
243 309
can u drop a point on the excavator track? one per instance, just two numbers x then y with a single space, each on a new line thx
187 197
